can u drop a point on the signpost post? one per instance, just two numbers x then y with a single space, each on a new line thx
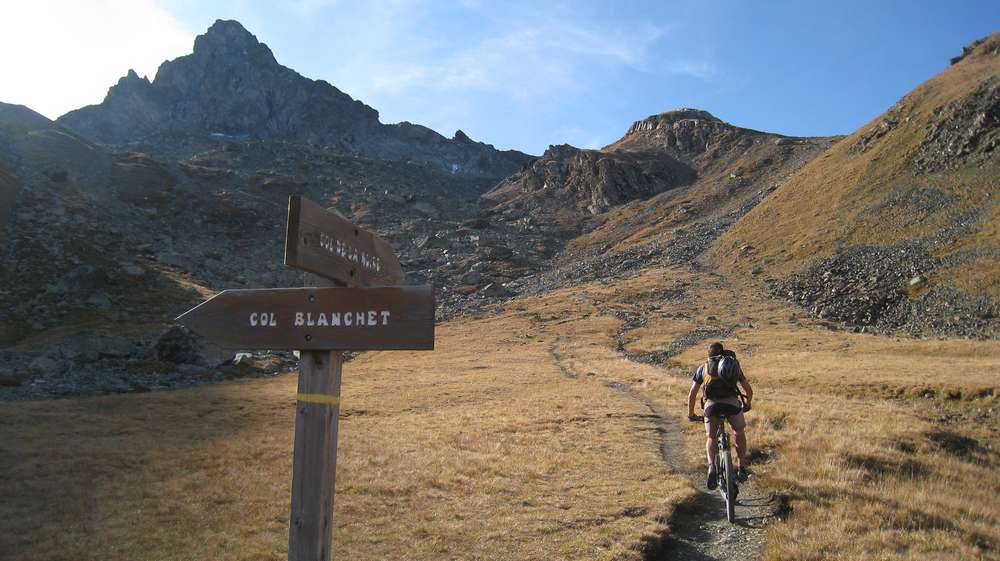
354 303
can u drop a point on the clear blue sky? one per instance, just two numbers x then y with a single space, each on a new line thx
525 75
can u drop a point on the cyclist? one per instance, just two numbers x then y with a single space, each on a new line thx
722 398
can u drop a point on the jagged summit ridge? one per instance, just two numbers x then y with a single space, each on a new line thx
231 86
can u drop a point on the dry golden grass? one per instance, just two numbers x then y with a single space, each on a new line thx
887 448
483 449
508 442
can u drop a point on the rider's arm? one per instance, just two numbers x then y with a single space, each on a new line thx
692 396
742 379
747 390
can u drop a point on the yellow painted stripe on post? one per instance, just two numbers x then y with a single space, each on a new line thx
319 398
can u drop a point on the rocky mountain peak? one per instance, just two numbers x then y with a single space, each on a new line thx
560 151
674 119
684 133
228 39
231 88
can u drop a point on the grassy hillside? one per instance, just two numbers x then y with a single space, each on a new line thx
925 172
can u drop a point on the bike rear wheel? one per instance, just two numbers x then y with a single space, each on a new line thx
728 487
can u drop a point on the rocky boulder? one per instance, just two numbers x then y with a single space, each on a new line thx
180 346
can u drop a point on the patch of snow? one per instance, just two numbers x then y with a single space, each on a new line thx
227 136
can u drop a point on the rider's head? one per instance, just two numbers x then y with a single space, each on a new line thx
715 349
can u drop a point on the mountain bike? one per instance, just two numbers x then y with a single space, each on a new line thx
726 472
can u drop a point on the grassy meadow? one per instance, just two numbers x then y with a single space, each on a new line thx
513 441
482 449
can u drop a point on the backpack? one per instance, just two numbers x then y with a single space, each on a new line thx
721 383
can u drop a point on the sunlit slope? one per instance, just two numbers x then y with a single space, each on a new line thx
924 173
879 454
734 168
669 171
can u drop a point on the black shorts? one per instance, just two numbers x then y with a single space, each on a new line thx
722 409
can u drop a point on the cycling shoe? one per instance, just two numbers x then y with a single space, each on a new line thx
743 474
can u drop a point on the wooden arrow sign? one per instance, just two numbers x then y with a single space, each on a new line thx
327 244
318 318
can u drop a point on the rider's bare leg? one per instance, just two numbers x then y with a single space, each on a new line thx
741 445
712 448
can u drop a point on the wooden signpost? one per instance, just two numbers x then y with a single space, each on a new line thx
327 244
398 317
354 303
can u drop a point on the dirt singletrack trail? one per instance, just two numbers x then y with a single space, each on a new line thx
698 528
642 336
